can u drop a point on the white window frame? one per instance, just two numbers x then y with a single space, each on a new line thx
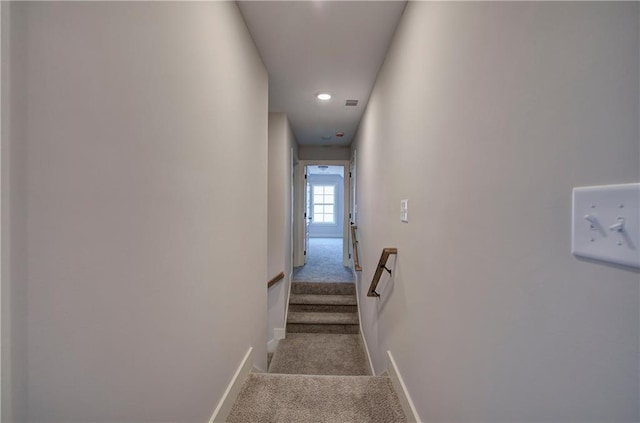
313 204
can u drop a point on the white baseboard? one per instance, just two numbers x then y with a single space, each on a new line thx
366 350
223 409
286 303
272 345
279 333
403 394
362 337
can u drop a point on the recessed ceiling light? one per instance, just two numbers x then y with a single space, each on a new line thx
323 96
326 137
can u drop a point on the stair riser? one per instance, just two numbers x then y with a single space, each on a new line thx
323 288
324 308
302 328
341 300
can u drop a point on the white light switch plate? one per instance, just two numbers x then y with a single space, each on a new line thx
606 223
404 211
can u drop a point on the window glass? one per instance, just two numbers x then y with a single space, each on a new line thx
323 204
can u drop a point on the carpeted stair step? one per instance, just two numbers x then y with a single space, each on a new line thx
320 354
323 328
323 308
322 322
323 299
323 288
323 303
319 318
303 398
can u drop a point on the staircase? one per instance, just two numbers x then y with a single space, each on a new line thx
319 372
323 308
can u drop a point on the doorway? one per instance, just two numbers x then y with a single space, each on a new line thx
324 223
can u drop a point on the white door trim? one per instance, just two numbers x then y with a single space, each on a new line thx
4 55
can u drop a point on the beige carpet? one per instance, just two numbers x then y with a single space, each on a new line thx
323 308
320 354
318 377
324 263
302 398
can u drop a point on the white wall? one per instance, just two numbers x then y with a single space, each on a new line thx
281 144
130 122
315 152
484 116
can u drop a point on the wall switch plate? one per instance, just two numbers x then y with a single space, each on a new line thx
606 223
404 211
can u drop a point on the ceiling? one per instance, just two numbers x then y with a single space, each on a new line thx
316 46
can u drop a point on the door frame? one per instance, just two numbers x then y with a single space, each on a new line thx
353 201
298 221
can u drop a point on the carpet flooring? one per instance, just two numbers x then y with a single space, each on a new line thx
320 354
319 372
323 307
303 398
324 263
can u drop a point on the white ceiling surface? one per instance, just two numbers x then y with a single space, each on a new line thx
313 46
330 170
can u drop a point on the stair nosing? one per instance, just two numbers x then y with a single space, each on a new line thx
323 299
294 315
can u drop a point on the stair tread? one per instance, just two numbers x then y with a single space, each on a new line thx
294 398
320 288
314 318
323 299
322 328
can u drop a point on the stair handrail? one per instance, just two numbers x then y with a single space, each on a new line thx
354 242
382 265
275 280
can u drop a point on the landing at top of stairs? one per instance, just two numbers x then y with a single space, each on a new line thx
301 398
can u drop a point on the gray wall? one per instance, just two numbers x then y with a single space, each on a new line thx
484 116
128 238
281 143
325 230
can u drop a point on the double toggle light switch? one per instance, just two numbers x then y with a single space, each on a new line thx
618 226
606 223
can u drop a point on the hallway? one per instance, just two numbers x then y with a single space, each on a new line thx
153 178
324 263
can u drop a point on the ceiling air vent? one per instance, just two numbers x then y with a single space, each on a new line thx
351 103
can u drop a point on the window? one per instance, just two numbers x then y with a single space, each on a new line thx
323 204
